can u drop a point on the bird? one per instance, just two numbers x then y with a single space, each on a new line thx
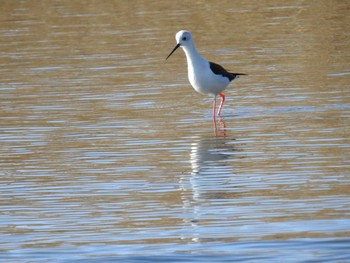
205 77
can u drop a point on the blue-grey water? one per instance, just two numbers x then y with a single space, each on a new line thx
107 154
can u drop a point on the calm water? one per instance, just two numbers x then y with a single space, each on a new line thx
108 154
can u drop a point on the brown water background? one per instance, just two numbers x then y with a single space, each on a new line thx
107 153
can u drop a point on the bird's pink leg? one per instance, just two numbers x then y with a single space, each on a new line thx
214 108
222 102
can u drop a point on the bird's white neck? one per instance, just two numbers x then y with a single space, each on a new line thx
192 55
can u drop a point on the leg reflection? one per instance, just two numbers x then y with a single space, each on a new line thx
221 130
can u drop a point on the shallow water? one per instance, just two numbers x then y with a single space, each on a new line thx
108 154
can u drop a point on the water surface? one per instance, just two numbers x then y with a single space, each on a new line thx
108 154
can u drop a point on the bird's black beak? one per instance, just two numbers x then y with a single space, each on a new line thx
176 47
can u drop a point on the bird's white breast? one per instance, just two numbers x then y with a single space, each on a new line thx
201 77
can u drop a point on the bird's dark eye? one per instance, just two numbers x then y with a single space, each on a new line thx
184 38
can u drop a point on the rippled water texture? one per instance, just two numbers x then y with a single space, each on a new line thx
108 154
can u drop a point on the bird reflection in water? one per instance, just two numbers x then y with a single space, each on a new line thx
212 172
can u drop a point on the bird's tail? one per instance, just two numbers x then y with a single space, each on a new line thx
236 75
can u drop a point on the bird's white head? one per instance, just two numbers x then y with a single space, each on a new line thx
183 39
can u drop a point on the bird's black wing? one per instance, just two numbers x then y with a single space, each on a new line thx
219 70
